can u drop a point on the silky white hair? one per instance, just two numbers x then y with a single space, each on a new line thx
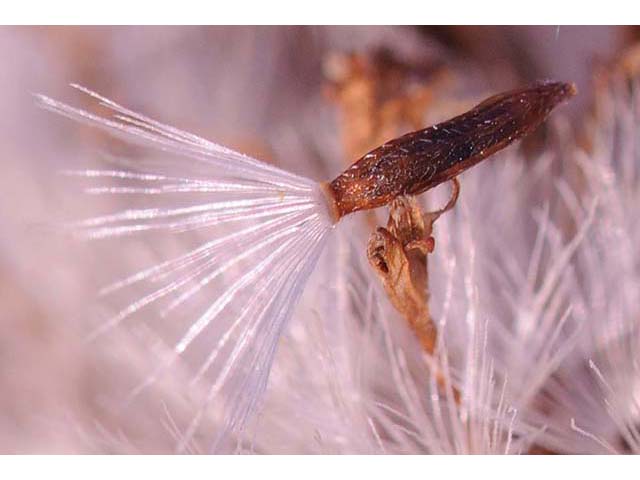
264 230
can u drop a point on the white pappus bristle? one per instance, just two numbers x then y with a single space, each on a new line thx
260 231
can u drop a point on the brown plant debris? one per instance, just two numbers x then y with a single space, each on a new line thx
378 95
399 256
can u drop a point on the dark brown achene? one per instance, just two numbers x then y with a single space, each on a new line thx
418 161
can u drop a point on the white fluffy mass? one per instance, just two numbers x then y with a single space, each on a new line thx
199 270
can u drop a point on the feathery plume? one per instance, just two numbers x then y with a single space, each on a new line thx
264 227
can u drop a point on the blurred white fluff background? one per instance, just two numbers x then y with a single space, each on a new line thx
535 280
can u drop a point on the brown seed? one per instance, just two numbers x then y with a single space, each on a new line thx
418 161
